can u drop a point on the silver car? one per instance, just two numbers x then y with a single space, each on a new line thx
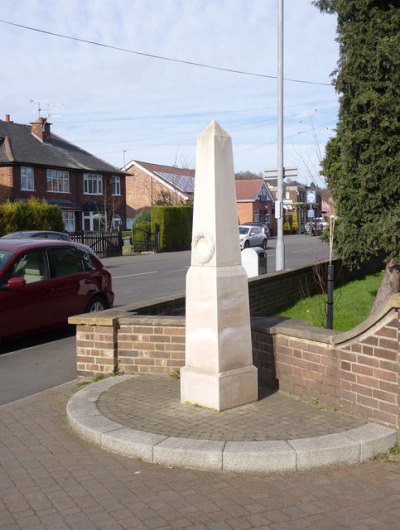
252 236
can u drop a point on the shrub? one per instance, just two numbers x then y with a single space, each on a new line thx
30 215
175 224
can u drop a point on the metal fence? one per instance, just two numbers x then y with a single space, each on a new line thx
144 241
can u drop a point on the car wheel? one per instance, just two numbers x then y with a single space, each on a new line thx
246 244
96 304
264 244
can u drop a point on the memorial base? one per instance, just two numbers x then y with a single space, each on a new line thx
219 391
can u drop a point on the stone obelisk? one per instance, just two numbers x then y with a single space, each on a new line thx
218 371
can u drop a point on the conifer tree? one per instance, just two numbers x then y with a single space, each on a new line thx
362 162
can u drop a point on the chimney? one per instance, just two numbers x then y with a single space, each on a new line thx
41 129
8 119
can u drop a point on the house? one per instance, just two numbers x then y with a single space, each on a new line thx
255 202
151 184
297 201
36 162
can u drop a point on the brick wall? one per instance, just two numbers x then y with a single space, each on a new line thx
357 371
151 345
6 184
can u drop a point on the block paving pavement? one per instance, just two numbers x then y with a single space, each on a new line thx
152 404
50 478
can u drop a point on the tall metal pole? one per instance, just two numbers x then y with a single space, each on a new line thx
280 248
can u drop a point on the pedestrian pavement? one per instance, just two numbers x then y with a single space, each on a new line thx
51 478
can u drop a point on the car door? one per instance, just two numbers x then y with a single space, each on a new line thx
27 306
256 236
73 285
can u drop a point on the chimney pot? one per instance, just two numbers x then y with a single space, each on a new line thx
8 119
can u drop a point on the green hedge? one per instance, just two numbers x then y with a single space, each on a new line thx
141 231
30 215
175 224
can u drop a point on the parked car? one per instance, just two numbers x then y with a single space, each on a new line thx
252 236
40 234
264 226
43 282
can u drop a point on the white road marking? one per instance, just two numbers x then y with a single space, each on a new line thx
137 274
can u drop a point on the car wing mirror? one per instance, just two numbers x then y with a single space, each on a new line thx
16 283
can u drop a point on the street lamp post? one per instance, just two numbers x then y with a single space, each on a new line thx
280 248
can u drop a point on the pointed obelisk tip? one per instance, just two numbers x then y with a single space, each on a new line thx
214 129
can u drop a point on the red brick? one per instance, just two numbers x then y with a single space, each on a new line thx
389 387
142 361
390 355
361 369
367 401
313 357
362 390
390 408
347 356
174 331
372 341
143 346
385 396
344 365
367 381
368 361
385 375
389 344
387 332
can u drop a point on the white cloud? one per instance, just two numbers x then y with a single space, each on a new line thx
115 101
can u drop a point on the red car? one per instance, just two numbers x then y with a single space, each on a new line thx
43 282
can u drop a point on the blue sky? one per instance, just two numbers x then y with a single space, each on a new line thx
122 106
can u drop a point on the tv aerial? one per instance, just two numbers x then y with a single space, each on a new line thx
46 108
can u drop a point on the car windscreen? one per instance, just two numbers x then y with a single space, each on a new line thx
243 230
5 256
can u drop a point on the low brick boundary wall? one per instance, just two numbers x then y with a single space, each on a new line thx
357 371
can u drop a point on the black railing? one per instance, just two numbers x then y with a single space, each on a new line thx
145 241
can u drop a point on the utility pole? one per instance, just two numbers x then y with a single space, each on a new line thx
280 248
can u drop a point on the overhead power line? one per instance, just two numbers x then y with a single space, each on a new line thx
159 57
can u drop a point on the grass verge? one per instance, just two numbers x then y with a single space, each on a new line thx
352 304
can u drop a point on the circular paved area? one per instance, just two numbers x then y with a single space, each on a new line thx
152 404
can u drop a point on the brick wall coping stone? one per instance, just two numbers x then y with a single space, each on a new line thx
349 447
154 320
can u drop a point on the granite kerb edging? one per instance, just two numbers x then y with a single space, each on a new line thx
349 447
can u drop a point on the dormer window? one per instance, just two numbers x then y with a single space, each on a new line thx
27 179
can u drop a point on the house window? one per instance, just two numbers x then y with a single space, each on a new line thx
27 179
115 185
92 184
94 221
69 221
116 222
256 216
57 181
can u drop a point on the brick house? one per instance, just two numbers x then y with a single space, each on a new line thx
150 183
255 202
36 162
